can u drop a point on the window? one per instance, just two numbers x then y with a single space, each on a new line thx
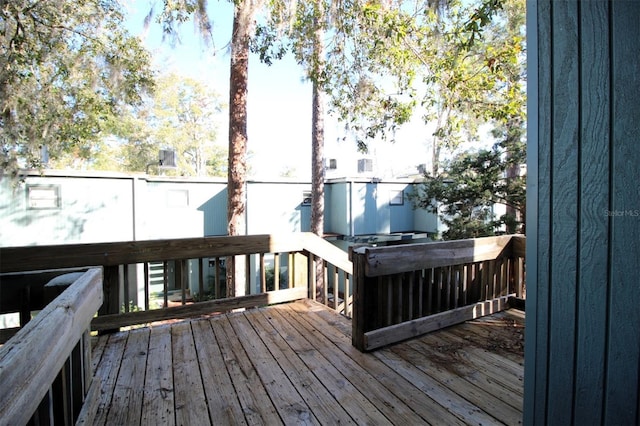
40 197
177 198
306 198
396 198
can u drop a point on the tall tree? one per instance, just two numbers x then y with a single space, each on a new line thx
185 119
469 187
243 21
239 76
317 119
65 69
300 27
175 13
480 77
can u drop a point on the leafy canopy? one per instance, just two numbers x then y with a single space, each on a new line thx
479 79
66 69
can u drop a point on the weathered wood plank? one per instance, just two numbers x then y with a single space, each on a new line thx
242 358
119 253
512 367
90 405
502 371
413 257
107 373
324 406
98 345
115 321
290 405
26 372
335 330
252 394
329 374
487 396
158 397
190 403
398 332
355 367
126 404
222 401
462 410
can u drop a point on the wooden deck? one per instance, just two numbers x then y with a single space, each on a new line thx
294 364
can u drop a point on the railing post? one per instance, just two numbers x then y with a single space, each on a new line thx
364 310
111 292
320 282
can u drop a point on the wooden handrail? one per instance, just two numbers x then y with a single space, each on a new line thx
30 258
327 251
36 258
114 321
410 257
113 256
404 291
31 360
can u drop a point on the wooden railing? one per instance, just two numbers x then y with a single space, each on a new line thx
404 291
267 269
45 369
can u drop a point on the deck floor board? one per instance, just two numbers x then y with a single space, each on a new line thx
158 401
294 364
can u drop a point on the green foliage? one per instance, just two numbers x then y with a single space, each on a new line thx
176 12
270 279
384 61
184 115
477 70
365 70
477 75
131 308
66 69
465 193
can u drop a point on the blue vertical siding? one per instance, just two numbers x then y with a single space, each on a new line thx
582 360
124 207
274 207
90 210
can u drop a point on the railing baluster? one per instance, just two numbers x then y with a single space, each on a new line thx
325 282
165 283
181 272
428 283
126 296
263 274
347 295
336 287
217 285
201 279
247 274
147 283
276 271
291 269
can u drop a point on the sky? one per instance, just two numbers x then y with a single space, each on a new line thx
279 104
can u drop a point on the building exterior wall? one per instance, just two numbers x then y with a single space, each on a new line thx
88 209
582 349
277 207
117 207
338 208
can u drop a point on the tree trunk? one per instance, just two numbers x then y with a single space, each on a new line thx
317 162
317 146
238 134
